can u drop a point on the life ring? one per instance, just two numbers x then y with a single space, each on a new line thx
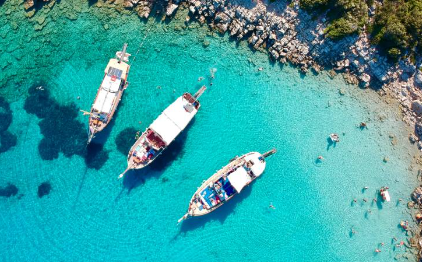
113 78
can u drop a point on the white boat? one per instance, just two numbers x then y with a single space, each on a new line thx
162 132
109 93
334 138
384 194
226 183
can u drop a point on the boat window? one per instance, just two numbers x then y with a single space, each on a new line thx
114 72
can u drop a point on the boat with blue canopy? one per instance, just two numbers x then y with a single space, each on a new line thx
226 183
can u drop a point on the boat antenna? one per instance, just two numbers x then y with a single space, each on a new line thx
269 153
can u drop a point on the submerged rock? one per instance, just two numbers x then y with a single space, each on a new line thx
9 190
7 139
5 115
61 130
125 140
44 189
96 156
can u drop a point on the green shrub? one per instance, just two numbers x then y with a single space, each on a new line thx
394 53
397 27
340 28
345 16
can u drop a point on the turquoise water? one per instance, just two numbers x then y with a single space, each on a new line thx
89 215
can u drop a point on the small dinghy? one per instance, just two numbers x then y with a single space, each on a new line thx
384 194
226 183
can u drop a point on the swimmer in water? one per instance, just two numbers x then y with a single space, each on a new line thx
260 69
271 205
200 78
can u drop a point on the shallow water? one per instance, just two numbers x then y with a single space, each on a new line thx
89 215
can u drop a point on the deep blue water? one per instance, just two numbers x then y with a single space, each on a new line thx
69 205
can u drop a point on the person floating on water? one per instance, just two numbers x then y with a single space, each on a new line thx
377 250
200 78
212 72
363 125
335 138
271 205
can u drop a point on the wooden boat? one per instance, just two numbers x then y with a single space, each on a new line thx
159 135
226 183
109 94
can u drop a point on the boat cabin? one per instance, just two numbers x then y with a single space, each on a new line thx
192 101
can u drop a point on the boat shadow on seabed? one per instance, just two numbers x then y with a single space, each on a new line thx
175 150
219 214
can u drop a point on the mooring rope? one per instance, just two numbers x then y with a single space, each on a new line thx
141 44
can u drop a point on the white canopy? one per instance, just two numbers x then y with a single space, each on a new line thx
173 120
108 92
239 179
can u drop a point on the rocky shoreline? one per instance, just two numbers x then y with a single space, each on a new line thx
290 34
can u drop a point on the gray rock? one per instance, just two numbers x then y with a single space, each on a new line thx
418 79
417 107
275 54
170 9
365 78
418 129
